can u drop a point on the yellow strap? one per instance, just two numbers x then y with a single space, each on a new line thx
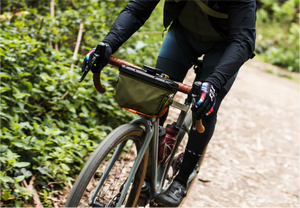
206 9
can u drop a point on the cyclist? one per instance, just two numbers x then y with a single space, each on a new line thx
223 31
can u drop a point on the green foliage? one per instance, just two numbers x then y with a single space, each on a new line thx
278 33
49 122
143 46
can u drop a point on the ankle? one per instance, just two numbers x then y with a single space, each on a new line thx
181 180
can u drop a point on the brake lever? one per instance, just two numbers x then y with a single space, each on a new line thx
100 50
196 91
86 71
195 94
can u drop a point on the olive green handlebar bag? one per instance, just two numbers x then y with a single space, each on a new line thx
143 97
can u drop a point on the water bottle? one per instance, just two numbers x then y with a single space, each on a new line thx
167 143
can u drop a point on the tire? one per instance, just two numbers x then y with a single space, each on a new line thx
92 171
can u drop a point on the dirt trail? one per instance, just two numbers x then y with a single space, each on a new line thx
253 158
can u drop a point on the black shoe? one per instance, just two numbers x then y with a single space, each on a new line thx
173 196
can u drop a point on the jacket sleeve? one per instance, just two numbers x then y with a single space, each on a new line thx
131 18
241 41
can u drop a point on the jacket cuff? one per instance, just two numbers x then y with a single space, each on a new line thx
113 46
217 80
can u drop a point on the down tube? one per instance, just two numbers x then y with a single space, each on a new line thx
148 136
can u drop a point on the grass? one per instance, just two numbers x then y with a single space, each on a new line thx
286 74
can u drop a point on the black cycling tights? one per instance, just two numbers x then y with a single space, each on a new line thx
197 142
179 49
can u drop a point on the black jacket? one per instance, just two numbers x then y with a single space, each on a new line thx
238 29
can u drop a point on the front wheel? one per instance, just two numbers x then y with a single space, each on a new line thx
122 146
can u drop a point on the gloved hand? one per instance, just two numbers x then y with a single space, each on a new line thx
96 61
206 103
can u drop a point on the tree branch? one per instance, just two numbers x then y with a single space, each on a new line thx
79 36
52 13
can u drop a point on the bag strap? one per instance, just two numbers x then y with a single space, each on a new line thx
206 9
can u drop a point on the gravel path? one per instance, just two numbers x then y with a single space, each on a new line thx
253 158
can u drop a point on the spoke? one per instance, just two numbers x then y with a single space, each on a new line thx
109 193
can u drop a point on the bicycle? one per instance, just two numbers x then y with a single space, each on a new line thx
130 145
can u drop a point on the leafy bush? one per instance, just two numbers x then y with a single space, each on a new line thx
278 33
49 122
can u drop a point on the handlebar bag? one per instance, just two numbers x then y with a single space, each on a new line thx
143 93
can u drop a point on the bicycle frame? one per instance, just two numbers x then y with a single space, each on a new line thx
158 172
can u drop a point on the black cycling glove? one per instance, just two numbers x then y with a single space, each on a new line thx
96 61
206 103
